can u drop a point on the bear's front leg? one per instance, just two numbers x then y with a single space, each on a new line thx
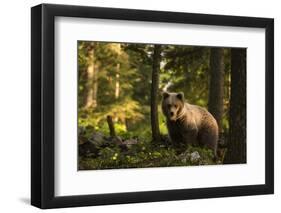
190 136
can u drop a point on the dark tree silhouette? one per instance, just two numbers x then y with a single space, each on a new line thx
236 148
154 93
216 92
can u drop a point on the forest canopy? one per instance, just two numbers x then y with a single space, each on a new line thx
120 121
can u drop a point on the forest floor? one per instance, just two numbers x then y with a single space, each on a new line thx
103 152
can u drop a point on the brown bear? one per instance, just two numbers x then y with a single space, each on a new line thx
189 124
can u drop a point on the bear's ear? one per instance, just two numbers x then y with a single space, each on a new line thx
165 95
180 96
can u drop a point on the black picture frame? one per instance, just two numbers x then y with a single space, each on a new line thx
43 117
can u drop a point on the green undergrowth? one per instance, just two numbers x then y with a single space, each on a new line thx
145 154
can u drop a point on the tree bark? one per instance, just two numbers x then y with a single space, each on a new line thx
111 126
117 83
92 79
83 76
236 147
216 92
154 93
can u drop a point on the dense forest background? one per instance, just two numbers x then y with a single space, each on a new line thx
120 121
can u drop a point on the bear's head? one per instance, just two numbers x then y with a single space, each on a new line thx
172 105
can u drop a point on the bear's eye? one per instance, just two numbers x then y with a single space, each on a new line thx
176 106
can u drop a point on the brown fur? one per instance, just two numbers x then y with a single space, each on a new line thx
189 124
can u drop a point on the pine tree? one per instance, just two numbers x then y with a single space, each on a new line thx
236 149
154 93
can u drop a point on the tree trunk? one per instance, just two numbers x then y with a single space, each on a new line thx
216 91
117 83
186 76
83 76
111 126
236 147
154 93
92 78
